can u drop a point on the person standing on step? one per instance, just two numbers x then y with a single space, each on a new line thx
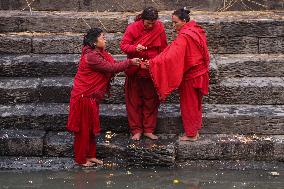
184 64
91 83
145 39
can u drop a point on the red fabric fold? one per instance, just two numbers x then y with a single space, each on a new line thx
89 88
155 40
187 57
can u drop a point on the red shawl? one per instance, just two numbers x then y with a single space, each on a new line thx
155 40
187 57
88 85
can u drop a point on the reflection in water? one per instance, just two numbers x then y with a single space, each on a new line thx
142 179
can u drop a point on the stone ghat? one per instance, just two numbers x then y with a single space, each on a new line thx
61 32
247 90
130 5
166 152
65 163
71 43
217 119
222 65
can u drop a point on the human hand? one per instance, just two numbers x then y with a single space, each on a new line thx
135 61
145 64
140 48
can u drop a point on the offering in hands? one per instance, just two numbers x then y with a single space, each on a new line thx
143 64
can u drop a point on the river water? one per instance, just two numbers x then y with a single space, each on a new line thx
179 178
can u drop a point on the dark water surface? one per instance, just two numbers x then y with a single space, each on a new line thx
143 179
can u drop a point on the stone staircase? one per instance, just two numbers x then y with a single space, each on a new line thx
243 114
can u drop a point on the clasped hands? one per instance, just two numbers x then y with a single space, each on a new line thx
144 64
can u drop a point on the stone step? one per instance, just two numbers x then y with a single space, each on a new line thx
50 65
38 65
170 150
249 65
21 142
219 24
232 32
166 151
129 5
63 163
222 65
217 119
246 90
146 152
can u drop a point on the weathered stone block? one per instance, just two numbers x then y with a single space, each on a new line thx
58 144
21 143
278 147
19 90
55 89
12 24
217 119
235 45
248 91
56 44
143 153
15 43
236 147
16 116
250 65
271 45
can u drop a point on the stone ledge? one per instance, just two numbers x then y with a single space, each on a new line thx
163 152
233 147
220 24
230 119
222 65
145 153
21 143
56 163
246 90
70 43
129 5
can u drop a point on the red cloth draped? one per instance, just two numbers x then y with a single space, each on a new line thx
187 57
91 83
154 39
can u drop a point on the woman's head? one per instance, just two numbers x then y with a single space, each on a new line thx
149 16
95 38
180 17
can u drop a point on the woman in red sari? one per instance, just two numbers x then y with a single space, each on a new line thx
188 56
91 83
145 39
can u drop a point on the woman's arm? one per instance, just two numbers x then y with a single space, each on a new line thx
126 44
98 63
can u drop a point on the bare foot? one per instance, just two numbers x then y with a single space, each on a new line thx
191 139
151 136
88 164
95 160
136 136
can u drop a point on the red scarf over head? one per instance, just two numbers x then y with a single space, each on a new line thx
176 63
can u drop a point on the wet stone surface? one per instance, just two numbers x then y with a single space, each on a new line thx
236 147
142 153
21 143
236 119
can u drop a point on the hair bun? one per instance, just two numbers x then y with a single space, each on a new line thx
186 10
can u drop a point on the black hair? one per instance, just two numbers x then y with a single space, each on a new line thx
92 36
182 14
149 13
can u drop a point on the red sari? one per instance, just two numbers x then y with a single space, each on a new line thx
91 83
188 56
142 102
